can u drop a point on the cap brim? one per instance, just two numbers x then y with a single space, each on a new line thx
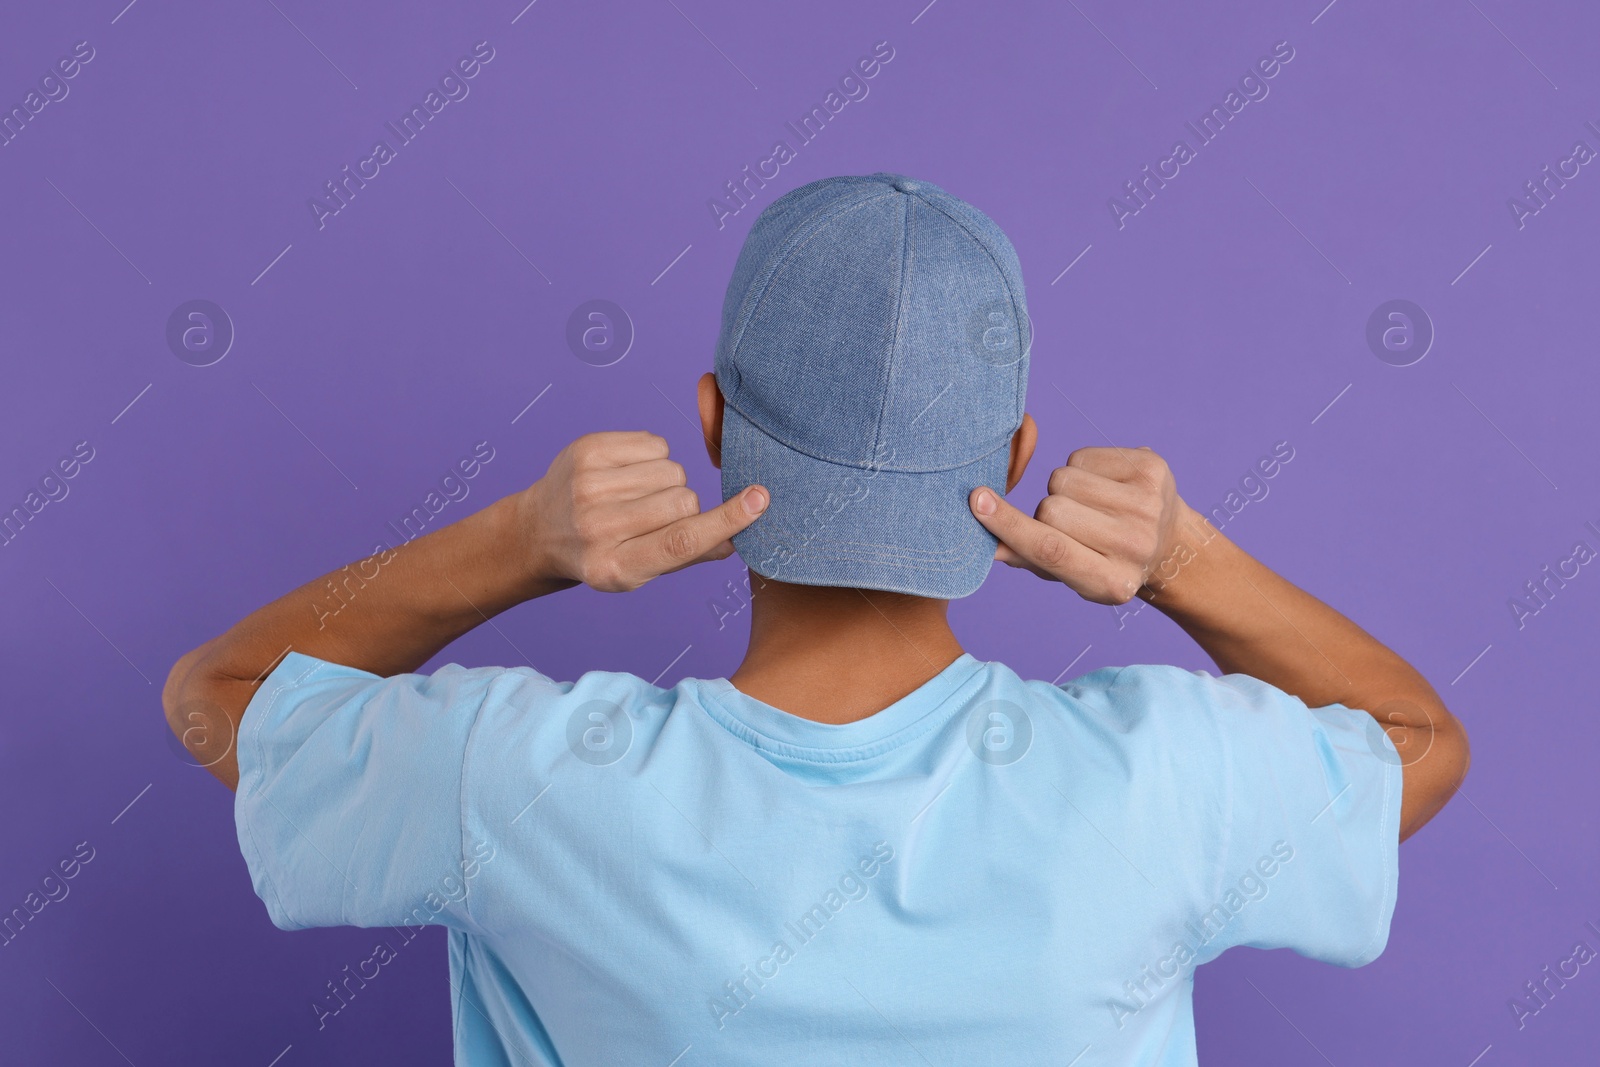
836 525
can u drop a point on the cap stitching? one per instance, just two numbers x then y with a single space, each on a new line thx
792 245
907 258
1017 312
757 290
898 549
1005 443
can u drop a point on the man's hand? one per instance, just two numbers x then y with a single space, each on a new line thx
613 512
1112 527
1111 515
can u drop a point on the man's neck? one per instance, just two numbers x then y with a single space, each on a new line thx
840 655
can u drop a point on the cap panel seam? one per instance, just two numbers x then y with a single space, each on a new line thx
792 245
1019 313
763 431
907 261
808 229
763 277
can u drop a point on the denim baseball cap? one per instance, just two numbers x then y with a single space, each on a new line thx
874 360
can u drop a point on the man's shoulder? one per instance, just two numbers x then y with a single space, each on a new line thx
1133 689
1153 706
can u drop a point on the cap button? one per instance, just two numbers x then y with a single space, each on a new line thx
906 185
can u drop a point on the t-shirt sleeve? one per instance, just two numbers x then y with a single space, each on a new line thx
1307 857
350 807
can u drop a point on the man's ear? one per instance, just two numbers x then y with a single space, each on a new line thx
710 400
1022 443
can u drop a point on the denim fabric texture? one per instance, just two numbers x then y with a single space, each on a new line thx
874 361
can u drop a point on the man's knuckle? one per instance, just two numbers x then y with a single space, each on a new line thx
1112 587
1052 510
1130 578
1050 550
680 544
1060 479
585 490
593 569
1081 457
1135 541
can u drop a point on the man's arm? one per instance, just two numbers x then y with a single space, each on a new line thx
1114 527
612 512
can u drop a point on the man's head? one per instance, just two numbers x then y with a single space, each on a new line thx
870 373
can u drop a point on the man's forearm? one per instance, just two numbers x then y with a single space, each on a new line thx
1251 621
612 512
387 614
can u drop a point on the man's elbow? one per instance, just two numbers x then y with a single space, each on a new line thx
1453 754
199 718
1456 757
1435 772
1462 755
172 693
184 679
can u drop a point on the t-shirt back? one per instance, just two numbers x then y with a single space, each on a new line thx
989 871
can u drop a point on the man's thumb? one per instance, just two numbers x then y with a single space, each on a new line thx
707 536
991 509
739 510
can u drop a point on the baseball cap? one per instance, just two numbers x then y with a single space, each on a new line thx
873 359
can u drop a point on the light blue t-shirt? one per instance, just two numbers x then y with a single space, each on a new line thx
989 871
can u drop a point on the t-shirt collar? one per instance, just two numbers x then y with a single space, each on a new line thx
765 727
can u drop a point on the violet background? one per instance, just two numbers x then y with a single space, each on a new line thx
408 329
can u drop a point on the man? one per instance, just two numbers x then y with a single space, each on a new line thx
865 846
